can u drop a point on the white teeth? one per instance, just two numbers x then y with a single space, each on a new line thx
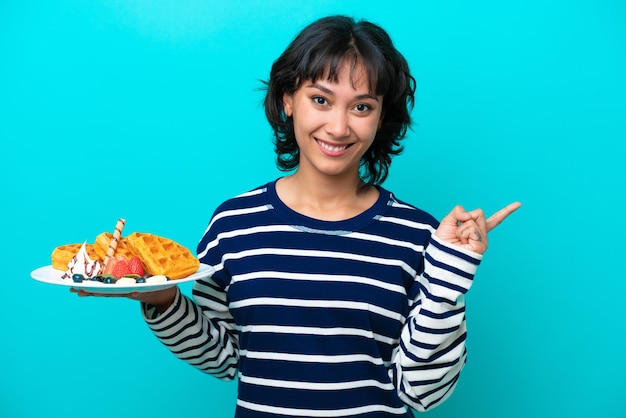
332 148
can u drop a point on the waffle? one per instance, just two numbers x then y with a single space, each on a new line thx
162 256
63 254
101 246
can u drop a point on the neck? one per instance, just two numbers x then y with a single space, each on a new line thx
325 198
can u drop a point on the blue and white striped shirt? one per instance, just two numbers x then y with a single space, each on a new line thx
355 318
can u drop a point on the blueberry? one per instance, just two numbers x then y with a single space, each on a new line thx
110 280
77 278
140 280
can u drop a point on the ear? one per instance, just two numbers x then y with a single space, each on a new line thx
288 104
380 121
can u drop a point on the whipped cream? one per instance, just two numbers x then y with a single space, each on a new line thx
82 264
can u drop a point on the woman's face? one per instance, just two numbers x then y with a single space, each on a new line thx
334 122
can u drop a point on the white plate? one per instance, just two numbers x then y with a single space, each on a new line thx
48 274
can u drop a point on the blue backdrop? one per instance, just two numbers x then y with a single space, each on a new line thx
150 110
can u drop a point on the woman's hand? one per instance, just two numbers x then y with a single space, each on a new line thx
160 299
469 229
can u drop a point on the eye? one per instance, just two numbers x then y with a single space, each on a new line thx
362 108
319 100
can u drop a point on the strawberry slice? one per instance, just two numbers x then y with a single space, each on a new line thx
120 269
110 266
135 266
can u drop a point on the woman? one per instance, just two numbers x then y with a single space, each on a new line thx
330 297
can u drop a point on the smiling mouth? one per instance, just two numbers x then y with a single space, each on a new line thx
333 148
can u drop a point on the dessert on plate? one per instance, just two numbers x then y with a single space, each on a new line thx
137 258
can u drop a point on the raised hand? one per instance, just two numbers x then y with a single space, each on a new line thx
469 229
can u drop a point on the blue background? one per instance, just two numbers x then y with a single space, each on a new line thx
150 110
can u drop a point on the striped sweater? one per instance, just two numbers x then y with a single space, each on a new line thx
357 318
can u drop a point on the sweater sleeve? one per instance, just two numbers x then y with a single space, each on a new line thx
199 332
431 351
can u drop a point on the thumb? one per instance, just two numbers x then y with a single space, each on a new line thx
458 214
449 225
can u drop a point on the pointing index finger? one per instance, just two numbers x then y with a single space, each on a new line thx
495 219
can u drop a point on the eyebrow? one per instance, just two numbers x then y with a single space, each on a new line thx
330 92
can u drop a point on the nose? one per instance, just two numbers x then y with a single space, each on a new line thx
337 124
